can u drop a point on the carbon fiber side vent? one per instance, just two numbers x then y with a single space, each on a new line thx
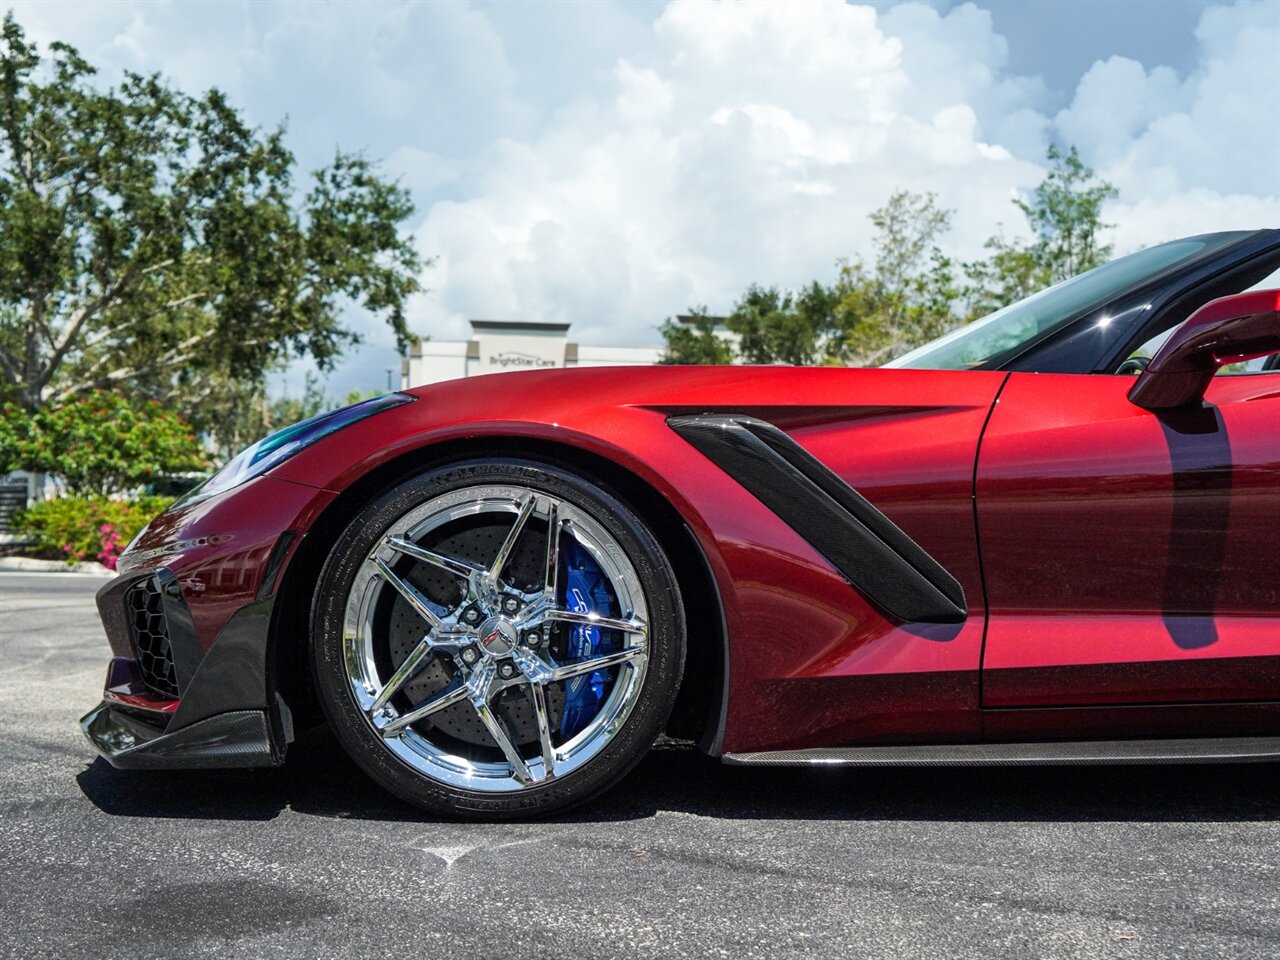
878 558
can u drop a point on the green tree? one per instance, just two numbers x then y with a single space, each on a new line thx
906 243
1010 272
693 339
1064 215
99 443
868 315
152 242
910 292
906 297
250 413
778 326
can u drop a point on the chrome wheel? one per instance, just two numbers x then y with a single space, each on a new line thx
495 638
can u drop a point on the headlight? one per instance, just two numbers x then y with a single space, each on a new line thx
275 449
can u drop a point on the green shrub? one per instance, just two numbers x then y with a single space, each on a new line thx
86 528
99 443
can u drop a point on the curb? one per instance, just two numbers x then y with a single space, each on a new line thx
31 565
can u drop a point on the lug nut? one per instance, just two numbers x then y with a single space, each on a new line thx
470 655
511 604
472 615
533 639
506 671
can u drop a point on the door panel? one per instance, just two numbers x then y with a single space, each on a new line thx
1130 558
838 671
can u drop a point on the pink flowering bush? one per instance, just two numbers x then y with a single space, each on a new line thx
84 528
111 545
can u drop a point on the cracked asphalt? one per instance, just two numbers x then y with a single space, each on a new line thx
686 858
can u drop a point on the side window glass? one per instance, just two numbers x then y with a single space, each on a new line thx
1261 364
1140 357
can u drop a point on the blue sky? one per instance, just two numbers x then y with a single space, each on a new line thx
610 164
1059 41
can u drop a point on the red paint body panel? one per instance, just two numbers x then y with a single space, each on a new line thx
1090 518
1146 721
218 548
812 662
1130 557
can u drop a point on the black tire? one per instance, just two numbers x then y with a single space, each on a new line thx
665 643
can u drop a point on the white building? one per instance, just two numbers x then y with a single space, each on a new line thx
497 346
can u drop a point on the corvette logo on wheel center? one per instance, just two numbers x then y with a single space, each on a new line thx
498 637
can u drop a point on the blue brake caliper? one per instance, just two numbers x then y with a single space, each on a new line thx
586 591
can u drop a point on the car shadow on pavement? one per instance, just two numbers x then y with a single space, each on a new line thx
319 780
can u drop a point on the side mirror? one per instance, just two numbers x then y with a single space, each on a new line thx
1226 330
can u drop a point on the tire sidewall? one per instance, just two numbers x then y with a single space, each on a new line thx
665 641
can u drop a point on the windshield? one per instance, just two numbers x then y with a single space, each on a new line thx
1005 332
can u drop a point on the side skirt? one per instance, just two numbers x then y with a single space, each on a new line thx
1200 750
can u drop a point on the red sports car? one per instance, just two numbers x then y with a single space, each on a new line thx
1052 536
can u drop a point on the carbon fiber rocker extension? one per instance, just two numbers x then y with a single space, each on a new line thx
876 556
1072 753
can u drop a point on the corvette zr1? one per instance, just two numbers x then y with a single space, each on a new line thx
1050 536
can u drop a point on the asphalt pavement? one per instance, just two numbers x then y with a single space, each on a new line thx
687 858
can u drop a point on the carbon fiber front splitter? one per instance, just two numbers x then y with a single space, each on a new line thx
240 738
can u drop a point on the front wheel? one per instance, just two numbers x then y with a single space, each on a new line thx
497 638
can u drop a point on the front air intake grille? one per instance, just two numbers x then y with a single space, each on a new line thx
144 604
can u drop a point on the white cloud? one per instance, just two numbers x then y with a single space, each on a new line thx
610 164
420 171
958 57
1195 153
642 94
1146 220
1116 101
749 147
750 141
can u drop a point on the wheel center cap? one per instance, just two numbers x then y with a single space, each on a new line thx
498 636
